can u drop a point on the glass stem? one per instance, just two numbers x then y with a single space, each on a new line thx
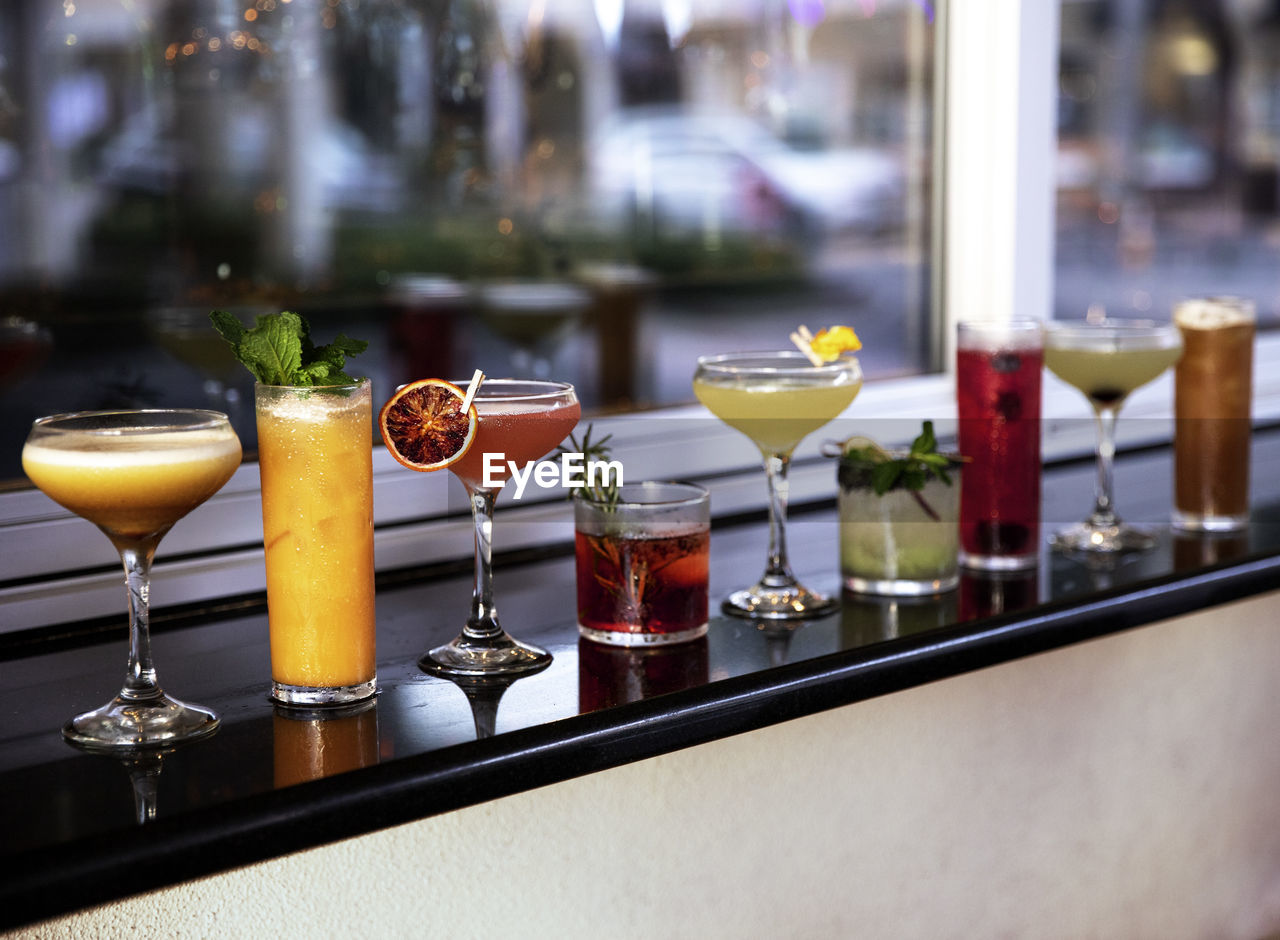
140 682
483 622
1104 513
778 573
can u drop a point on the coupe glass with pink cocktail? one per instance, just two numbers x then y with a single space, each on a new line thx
522 421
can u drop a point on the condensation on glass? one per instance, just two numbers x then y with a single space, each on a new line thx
596 191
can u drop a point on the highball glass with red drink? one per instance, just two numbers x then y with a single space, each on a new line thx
998 371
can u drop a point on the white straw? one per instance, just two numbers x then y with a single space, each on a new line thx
474 387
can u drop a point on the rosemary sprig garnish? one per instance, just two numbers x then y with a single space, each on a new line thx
606 494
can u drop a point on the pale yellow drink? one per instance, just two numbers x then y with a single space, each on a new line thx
776 414
135 486
1107 374
775 398
315 454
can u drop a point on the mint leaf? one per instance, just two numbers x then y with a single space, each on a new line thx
885 475
228 327
885 471
925 443
278 350
273 349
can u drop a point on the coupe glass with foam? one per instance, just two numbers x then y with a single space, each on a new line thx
134 474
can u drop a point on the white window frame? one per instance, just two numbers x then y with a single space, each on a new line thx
996 98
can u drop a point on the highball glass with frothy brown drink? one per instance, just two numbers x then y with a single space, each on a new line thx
1213 391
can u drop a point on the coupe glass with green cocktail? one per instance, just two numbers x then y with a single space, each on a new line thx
776 399
1106 360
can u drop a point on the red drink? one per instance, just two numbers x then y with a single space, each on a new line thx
642 563
520 432
998 369
654 588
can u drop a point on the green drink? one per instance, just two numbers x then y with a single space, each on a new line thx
1106 360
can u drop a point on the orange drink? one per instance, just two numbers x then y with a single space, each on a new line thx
138 485
315 454
134 474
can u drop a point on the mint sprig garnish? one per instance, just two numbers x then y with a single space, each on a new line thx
278 350
910 471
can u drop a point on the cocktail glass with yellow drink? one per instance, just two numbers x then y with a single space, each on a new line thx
315 457
432 424
1106 360
134 474
776 399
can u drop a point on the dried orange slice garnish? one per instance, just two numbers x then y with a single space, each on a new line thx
424 426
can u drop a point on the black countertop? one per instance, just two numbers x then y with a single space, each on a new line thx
271 782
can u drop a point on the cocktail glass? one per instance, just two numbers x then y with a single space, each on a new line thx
642 563
134 474
902 542
521 421
776 399
315 457
1212 411
1106 360
999 368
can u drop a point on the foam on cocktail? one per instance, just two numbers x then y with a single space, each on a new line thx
316 408
998 336
1212 314
132 485
92 452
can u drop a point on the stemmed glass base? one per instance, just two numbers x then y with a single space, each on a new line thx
1113 538
124 724
499 655
789 601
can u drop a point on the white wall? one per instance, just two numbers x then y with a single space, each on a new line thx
1124 787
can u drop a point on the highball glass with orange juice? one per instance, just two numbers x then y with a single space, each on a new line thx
315 454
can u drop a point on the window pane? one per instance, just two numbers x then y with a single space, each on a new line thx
600 190
1169 144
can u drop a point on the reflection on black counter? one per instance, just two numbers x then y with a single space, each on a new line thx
1192 550
310 743
868 618
990 593
483 695
615 675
